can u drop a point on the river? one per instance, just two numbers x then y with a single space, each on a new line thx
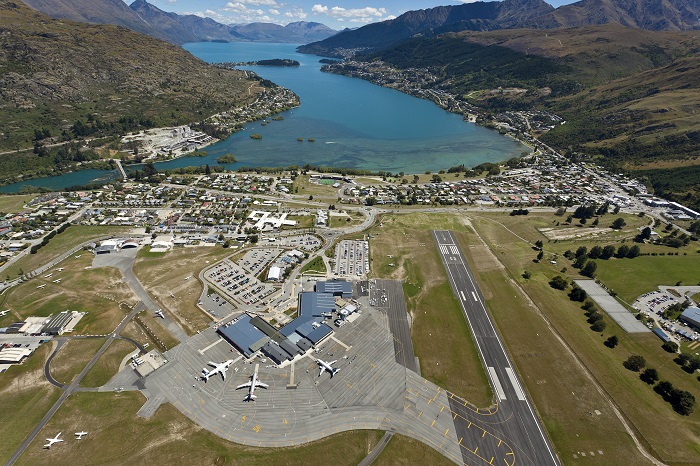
355 124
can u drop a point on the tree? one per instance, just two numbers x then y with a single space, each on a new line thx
540 256
526 275
582 251
635 363
683 402
558 283
577 294
645 234
254 239
149 170
311 198
618 223
633 252
599 326
612 341
207 170
649 376
589 269
608 252
664 388
595 317
693 363
595 252
622 251
539 244
670 346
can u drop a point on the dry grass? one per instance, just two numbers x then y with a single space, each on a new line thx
565 397
117 436
108 364
441 338
403 450
59 244
98 292
14 203
73 357
25 396
157 333
165 278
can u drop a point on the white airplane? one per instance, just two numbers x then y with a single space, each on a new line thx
60 269
58 280
48 276
4 313
218 369
326 367
159 313
80 435
254 382
41 286
53 440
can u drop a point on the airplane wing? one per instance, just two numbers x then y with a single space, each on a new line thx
332 362
247 384
212 364
260 384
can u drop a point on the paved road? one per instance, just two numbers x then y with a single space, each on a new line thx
74 386
369 459
518 421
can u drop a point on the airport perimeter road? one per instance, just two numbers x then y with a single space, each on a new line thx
516 418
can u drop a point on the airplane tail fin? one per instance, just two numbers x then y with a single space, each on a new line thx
250 398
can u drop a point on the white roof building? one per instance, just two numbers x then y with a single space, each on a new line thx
274 273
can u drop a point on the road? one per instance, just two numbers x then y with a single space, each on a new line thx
518 421
74 385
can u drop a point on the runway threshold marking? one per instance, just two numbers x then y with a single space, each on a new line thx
496 384
474 295
464 298
514 381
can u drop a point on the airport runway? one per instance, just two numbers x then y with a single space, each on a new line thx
514 417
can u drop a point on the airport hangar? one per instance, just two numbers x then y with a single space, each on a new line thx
249 334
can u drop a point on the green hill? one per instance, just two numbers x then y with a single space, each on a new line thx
55 72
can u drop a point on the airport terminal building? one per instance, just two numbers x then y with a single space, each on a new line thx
249 334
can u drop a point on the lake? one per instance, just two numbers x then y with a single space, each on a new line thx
355 124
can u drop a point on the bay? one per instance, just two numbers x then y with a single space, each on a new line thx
355 124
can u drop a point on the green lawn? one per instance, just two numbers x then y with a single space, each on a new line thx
11 203
73 357
108 364
633 277
316 265
59 244
403 450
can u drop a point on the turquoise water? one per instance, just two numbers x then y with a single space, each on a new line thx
355 124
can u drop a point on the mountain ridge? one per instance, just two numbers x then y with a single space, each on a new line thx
510 14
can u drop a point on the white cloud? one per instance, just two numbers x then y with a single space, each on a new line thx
272 11
354 15
259 2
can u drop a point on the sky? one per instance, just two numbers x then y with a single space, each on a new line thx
337 14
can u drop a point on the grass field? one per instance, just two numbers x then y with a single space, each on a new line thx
307 188
25 396
441 338
648 272
166 279
72 358
565 397
108 364
303 221
59 244
403 450
98 292
14 203
156 331
117 436
315 266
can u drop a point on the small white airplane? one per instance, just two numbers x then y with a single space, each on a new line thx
58 280
254 382
51 441
159 313
80 435
326 367
48 276
218 369
41 286
60 269
4 313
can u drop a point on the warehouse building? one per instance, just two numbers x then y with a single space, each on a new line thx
340 288
691 316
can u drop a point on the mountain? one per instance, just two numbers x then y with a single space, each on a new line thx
55 72
655 15
299 32
511 14
180 29
96 12
146 18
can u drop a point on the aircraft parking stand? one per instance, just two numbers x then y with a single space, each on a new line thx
370 391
